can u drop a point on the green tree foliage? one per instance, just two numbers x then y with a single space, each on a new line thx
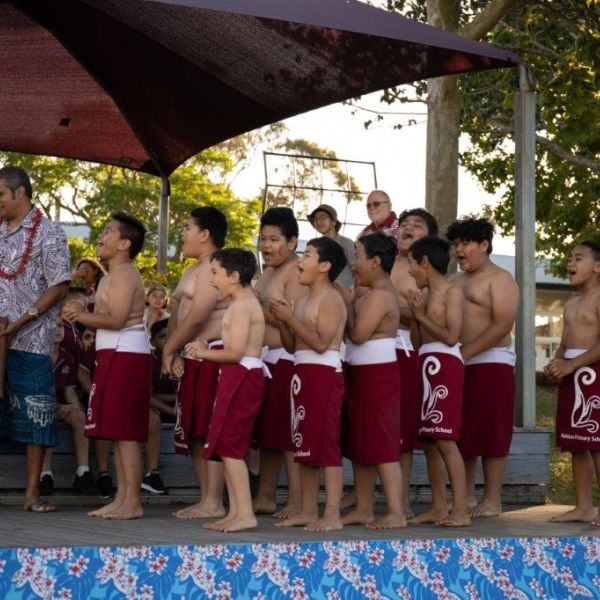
560 40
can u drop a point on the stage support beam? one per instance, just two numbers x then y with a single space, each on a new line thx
525 246
163 224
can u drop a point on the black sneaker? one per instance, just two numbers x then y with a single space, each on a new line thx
154 484
46 485
105 485
84 483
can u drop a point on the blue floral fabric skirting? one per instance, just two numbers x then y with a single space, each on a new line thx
29 411
434 569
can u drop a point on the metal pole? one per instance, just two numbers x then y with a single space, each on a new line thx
525 246
163 223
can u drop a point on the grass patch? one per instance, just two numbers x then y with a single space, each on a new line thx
561 489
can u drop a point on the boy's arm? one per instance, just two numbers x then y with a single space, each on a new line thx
120 301
371 311
204 302
505 300
71 397
561 367
235 350
288 339
328 320
84 379
454 312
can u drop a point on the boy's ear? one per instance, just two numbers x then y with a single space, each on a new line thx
376 262
484 245
234 276
324 266
124 244
597 266
424 262
293 243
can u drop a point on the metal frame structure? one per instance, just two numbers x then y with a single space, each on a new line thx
320 189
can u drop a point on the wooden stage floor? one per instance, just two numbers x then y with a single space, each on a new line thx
71 527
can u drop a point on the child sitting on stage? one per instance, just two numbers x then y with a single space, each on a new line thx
371 436
241 382
577 365
437 309
314 332
162 408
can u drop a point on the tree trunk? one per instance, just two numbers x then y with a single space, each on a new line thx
443 131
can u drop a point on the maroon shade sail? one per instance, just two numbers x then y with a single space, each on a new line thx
146 84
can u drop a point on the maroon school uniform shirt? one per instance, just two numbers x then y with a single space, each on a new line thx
161 382
65 374
72 342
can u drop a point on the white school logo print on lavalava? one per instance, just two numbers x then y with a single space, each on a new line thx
299 413
583 407
432 366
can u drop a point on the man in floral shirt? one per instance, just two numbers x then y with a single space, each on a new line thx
34 277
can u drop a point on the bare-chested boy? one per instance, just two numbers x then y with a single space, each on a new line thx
197 314
437 310
314 332
371 434
491 300
120 396
577 365
279 281
241 382
413 225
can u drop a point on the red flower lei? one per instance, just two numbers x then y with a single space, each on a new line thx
37 219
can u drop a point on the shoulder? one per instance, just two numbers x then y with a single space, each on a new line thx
52 232
500 277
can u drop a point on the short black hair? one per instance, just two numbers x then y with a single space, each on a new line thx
158 326
237 260
282 217
435 249
15 177
73 291
472 228
379 244
330 251
213 220
430 220
131 229
593 246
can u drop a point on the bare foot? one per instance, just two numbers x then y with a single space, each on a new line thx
240 524
349 500
125 513
298 520
487 509
389 521
200 511
409 513
325 524
113 506
219 524
358 518
291 509
263 506
472 502
455 520
577 514
431 516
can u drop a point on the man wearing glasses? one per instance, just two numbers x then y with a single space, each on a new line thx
383 218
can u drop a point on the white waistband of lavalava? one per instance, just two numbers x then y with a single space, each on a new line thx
440 348
403 341
251 362
132 339
273 355
574 352
504 355
329 358
372 352
211 345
